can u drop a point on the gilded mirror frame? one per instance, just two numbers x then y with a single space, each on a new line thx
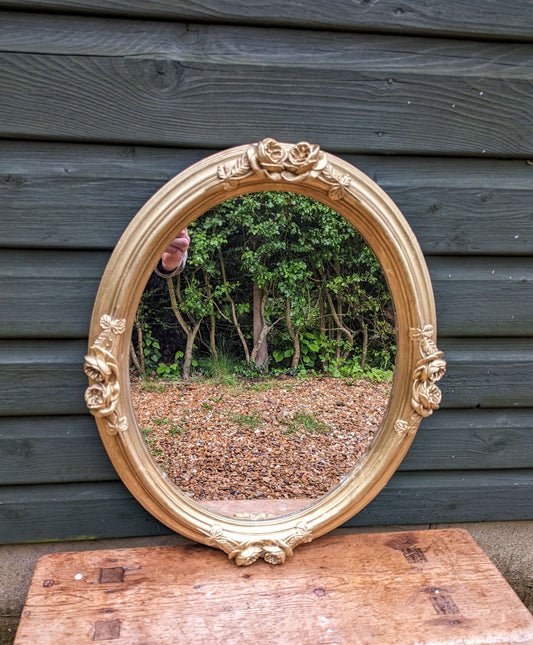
264 166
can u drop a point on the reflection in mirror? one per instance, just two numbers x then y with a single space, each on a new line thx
262 371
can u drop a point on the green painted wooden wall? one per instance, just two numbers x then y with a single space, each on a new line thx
102 101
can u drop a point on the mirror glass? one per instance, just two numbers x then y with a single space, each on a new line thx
261 372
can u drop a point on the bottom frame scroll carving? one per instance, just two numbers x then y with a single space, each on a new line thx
273 551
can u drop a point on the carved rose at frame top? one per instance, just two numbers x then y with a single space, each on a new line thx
285 162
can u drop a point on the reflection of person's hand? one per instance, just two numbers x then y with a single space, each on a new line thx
174 254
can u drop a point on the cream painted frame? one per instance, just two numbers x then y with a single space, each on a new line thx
267 165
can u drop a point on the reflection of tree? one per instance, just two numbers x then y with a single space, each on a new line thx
189 310
275 278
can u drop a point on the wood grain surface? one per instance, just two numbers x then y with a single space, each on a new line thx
218 86
467 18
75 196
412 588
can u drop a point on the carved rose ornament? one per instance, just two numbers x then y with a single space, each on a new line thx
273 551
431 367
102 369
285 162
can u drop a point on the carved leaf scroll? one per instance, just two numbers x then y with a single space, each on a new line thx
102 369
273 551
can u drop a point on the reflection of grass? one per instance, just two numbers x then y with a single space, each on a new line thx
263 385
248 420
152 386
146 432
172 429
304 422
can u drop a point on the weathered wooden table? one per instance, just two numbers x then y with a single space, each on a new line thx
377 589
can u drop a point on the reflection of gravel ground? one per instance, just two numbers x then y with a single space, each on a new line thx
294 439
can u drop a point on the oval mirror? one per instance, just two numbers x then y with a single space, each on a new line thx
261 373
302 169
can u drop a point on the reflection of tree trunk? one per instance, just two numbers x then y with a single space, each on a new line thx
212 337
293 334
262 337
135 360
187 359
138 361
365 346
212 321
233 310
322 322
261 329
189 331
322 313
337 315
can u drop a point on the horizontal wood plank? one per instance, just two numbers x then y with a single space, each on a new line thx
487 373
33 449
41 377
72 511
514 19
421 498
483 296
218 86
84 196
106 509
50 294
470 439
180 40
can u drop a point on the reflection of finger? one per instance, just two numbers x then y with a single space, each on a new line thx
179 243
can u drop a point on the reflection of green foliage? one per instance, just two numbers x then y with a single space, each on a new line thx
325 296
170 371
